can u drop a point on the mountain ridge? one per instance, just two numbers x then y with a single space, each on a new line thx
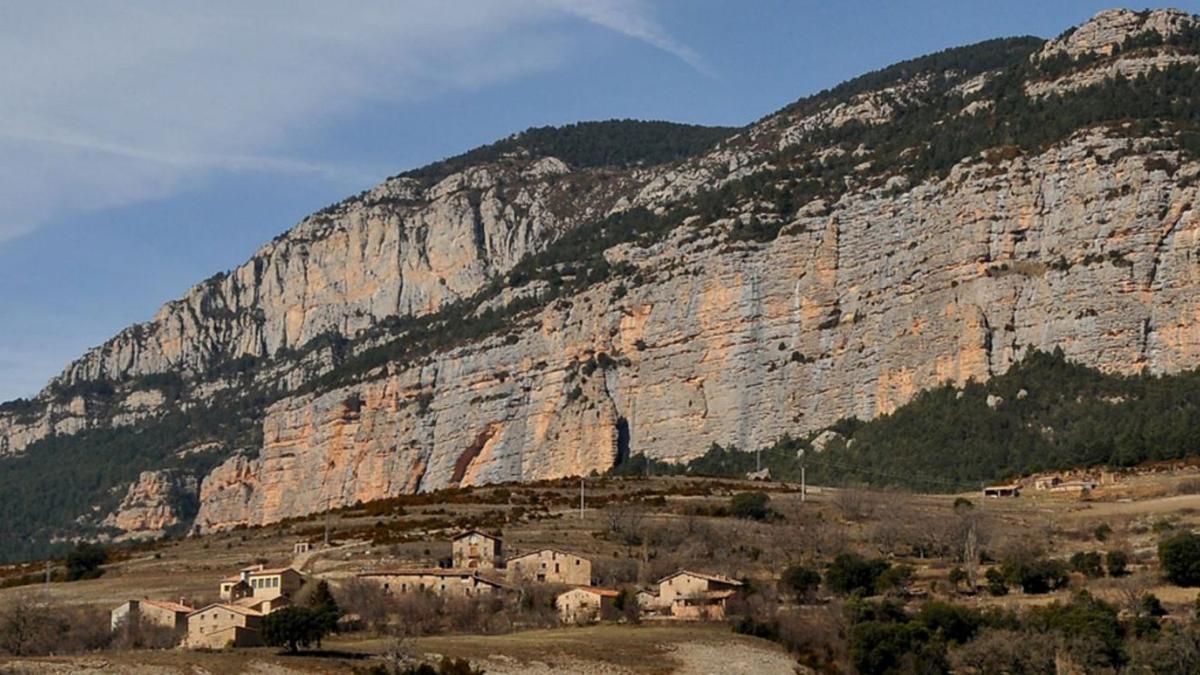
525 318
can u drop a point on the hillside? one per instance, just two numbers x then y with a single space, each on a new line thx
1043 414
566 298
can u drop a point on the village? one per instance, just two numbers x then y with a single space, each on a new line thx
666 570
479 567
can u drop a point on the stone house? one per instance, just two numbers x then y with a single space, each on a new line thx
262 582
586 604
476 550
550 566
648 601
449 582
694 595
162 613
707 606
222 625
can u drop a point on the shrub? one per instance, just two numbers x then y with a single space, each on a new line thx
1088 623
878 647
1006 651
850 572
1034 574
750 505
84 561
1102 531
800 581
956 577
1117 563
1150 605
955 624
896 578
295 627
33 627
1180 558
1088 563
996 585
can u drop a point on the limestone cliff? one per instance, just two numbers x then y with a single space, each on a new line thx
523 316
160 501
850 313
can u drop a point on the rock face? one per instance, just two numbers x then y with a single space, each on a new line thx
862 300
851 315
158 502
1105 33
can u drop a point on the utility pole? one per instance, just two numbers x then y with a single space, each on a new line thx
803 478
47 573
581 497
327 501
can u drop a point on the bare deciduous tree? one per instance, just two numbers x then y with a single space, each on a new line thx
29 626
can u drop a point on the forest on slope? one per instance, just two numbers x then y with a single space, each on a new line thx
1045 413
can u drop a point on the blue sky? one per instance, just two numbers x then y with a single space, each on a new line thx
145 146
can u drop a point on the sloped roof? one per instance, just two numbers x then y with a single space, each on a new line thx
257 572
551 550
468 533
456 572
168 605
233 608
253 602
603 592
716 578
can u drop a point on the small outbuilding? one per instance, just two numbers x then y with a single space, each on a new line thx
586 604
998 491
164 613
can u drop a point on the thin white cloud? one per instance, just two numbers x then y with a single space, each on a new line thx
106 104
630 18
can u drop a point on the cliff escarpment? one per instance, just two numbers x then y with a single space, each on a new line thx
546 306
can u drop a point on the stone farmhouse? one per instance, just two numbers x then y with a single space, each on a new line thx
249 596
550 566
694 595
164 613
441 581
586 605
222 625
476 550
261 582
